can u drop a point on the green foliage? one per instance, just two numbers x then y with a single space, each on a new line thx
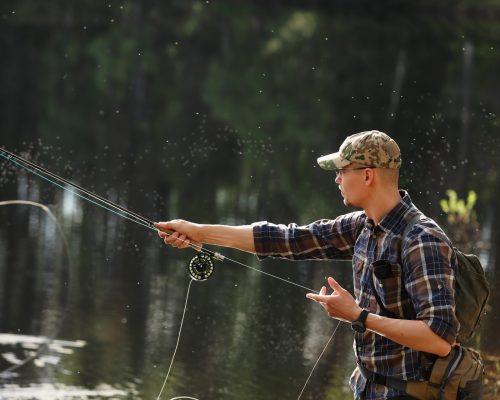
458 209
461 219
282 89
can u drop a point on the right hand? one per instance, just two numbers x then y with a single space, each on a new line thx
179 233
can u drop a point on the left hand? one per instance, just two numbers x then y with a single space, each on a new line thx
340 304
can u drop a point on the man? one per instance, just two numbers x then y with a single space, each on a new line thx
403 310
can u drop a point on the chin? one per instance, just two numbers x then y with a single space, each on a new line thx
348 203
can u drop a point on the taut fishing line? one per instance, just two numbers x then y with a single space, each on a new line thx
317 361
200 267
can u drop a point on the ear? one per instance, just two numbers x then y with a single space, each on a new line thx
369 175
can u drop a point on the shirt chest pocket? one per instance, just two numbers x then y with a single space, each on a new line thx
387 283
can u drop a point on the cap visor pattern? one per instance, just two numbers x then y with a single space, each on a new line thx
332 161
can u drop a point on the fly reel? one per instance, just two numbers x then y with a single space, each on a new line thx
201 267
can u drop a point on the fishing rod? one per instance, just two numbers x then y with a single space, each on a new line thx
200 267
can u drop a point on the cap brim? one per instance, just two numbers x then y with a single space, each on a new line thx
332 161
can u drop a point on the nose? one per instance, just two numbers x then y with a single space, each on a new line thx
338 178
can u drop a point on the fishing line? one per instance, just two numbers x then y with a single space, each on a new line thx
50 337
184 397
319 358
176 346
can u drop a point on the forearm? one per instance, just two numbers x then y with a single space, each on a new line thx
415 334
236 237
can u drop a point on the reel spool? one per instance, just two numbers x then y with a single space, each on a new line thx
201 267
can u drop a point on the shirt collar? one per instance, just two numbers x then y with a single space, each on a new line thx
393 220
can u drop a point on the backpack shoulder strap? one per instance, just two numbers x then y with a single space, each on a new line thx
411 224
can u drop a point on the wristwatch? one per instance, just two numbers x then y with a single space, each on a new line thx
358 325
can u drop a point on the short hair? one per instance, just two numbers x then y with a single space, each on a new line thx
389 175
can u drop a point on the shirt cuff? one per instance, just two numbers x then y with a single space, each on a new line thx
443 329
260 232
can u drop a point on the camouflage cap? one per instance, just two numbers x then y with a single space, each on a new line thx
370 148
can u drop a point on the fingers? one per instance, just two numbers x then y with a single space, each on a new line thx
322 297
166 226
175 239
318 297
167 230
334 284
179 233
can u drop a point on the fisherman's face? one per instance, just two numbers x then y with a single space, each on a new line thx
350 182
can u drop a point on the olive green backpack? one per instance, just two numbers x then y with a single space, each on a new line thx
471 289
471 294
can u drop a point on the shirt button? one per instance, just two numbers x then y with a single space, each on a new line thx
381 284
439 286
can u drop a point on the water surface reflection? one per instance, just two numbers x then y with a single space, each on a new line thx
245 335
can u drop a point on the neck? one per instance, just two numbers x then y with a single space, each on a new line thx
380 203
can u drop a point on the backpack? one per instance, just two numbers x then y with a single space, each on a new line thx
471 294
471 289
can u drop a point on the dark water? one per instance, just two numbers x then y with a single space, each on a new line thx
216 112
244 335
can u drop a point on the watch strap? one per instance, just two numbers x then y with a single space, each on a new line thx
358 325
363 316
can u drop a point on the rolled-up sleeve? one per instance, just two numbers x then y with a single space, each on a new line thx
323 239
431 263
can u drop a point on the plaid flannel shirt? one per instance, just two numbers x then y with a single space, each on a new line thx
424 261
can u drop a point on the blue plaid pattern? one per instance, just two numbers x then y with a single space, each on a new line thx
424 262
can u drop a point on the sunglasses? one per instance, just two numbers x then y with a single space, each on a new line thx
339 171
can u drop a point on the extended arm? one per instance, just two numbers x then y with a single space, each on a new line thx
323 239
184 233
